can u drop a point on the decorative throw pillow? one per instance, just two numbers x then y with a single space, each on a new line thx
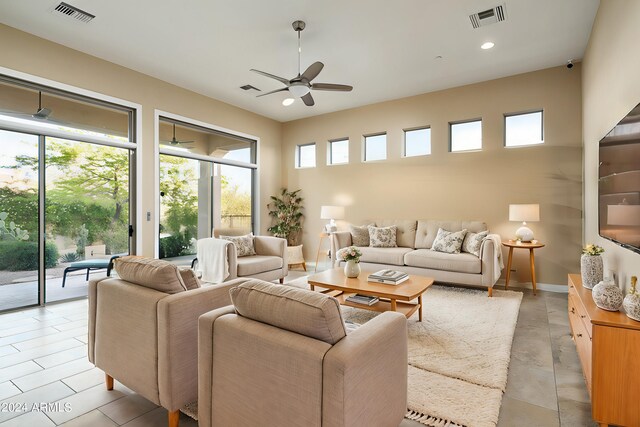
244 244
382 237
359 235
189 278
473 241
448 241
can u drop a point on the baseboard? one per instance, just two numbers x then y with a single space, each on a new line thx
549 287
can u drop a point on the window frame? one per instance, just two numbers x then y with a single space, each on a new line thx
364 147
315 156
404 141
330 142
522 113
461 122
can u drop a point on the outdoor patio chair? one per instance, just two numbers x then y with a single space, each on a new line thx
91 264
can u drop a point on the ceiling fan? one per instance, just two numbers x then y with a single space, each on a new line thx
301 86
175 141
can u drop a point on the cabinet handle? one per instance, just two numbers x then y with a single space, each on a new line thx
579 335
573 310
582 316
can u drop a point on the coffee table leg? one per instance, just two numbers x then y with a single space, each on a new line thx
313 288
393 305
420 309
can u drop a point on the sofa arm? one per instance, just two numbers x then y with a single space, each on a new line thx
178 340
339 240
365 375
271 246
489 260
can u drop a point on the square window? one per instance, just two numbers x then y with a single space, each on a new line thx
465 136
523 129
306 156
338 152
375 147
417 142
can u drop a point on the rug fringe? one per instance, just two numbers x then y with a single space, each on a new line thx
430 420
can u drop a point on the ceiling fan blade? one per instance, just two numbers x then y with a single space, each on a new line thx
331 86
313 70
273 91
42 114
308 100
271 76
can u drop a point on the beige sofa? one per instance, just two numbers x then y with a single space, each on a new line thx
144 334
414 255
281 357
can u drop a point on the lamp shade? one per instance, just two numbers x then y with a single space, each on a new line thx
332 212
623 214
525 213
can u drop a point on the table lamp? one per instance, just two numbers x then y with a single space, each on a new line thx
331 213
628 215
524 213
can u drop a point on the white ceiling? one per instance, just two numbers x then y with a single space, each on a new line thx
385 49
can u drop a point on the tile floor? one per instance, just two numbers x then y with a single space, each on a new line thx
43 359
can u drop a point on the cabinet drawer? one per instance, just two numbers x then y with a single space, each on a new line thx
582 340
576 307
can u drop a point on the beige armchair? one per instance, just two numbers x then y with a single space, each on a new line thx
280 356
143 331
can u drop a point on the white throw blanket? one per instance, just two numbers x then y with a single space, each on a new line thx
212 259
498 263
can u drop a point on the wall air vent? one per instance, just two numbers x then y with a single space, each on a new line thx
249 87
73 12
489 16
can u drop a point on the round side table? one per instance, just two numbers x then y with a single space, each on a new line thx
514 244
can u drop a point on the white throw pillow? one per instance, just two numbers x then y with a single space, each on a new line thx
473 241
244 244
448 241
382 237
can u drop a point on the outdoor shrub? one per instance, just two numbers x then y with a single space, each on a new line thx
70 257
173 246
23 256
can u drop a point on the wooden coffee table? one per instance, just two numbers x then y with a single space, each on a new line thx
392 297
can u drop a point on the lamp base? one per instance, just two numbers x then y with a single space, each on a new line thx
524 234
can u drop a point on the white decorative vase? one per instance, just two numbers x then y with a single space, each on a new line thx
607 295
591 270
631 302
352 268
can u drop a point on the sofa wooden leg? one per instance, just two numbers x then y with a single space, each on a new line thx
282 280
490 290
174 418
304 266
108 381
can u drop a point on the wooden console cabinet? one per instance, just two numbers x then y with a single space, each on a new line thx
608 345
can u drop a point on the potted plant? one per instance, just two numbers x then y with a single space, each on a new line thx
286 211
591 265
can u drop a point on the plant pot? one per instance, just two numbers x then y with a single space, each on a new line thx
607 295
294 256
591 270
352 269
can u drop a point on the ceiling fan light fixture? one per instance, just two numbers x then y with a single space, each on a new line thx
288 101
299 90
487 45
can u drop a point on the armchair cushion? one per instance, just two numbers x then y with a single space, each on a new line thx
250 266
301 311
151 273
244 244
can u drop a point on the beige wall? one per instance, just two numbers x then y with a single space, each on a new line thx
611 88
29 54
474 185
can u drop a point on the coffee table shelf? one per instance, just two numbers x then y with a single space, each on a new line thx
406 308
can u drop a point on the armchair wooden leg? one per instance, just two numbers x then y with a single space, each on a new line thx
108 381
490 290
174 418
282 280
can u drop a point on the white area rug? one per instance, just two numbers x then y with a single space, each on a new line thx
458 355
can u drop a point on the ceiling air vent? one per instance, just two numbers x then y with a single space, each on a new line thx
249 87
488 17
73 12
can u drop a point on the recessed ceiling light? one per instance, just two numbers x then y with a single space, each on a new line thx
288 101
487 45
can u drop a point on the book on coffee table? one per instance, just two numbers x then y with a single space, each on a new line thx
389 277
362 299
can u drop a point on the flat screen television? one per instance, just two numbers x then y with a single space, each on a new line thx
619 183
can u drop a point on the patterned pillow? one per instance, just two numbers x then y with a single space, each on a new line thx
382 237
244 244
359 235
448 241
473 241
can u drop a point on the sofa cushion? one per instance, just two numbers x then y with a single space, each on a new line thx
151 273
393 256
473 241
428 229
359 235
301 311
189 278
449 241
460 263
382 237
244 244
250 265
405 230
